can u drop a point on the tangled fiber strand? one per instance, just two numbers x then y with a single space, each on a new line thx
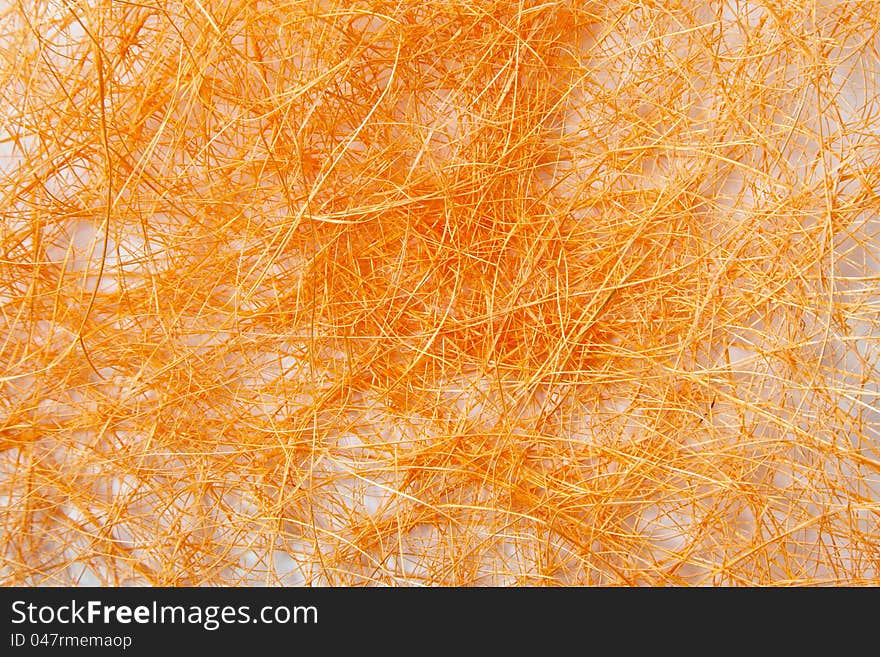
451 292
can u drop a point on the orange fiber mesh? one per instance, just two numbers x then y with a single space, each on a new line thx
448 292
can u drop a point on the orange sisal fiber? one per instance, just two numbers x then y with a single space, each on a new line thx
448 292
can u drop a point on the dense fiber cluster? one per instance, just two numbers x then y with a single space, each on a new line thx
446 292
